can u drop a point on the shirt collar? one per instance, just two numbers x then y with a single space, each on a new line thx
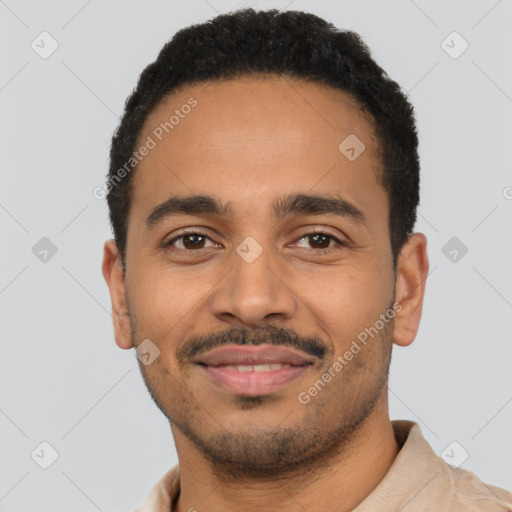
414 468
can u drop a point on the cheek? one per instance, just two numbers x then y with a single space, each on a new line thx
347 301
160 300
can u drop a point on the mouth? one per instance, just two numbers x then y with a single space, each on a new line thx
253 371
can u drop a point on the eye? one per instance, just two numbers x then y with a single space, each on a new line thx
189 241
321 241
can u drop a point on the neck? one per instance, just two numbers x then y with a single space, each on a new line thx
341 484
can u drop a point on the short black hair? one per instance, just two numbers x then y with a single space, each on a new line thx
291 44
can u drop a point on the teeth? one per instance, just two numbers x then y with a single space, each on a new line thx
257 367
261 368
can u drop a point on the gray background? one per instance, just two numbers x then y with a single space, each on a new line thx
62 378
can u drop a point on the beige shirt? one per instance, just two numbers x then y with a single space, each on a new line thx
417 481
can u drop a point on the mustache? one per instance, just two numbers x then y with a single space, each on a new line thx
240 335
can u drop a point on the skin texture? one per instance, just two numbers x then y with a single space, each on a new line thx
249 141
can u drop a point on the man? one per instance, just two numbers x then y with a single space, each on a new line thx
262 189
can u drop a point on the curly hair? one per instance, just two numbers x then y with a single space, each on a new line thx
294 44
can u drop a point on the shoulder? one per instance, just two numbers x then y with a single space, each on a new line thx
469 493
423 481
163 493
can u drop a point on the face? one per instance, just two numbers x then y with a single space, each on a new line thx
289 251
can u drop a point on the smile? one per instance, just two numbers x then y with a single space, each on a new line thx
253 380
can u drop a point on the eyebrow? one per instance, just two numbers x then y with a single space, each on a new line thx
199 205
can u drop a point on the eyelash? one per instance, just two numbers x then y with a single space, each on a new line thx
305 235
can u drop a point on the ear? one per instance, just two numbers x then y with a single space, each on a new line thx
412 272
113 274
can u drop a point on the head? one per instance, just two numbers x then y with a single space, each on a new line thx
290 158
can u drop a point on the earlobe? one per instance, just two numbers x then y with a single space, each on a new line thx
113 274
412 272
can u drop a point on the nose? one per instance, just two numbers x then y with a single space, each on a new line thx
254 291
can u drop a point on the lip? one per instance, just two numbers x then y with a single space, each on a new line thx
217 364
261 354
252 383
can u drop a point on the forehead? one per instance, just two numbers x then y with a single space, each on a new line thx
253 138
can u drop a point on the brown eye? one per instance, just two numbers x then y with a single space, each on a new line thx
188 241
193 241
321 242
